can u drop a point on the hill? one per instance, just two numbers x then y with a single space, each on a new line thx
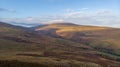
22 46
103 39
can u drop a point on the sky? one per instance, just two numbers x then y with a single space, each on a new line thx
83 12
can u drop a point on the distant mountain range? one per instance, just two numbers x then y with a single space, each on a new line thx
59 45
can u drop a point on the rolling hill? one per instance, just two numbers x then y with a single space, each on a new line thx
103 39
81 34
46 47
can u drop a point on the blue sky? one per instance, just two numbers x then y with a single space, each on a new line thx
48 11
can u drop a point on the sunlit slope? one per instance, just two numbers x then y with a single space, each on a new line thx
69 27
68 30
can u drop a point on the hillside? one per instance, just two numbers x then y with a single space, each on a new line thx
22 46
61 29
103 39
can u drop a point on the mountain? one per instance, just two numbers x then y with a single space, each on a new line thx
23 47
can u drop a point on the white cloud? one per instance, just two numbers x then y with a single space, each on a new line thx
98 17
56 21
